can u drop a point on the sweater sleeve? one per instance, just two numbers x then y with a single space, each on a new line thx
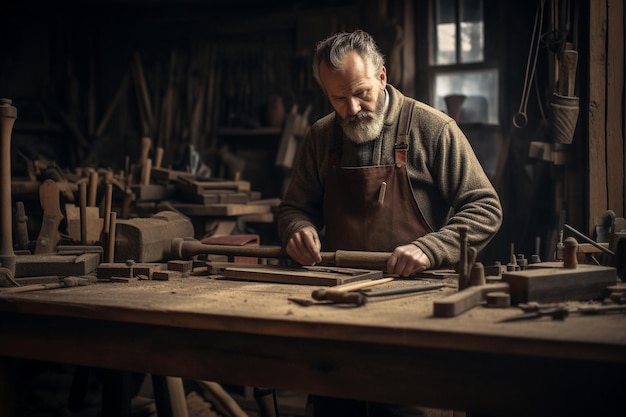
302 204
465 188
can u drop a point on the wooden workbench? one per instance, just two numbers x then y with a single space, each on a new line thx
392 349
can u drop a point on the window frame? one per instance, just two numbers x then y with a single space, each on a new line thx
491 19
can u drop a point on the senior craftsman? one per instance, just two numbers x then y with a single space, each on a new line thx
383 172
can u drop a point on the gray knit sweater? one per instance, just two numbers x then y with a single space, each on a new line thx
449 184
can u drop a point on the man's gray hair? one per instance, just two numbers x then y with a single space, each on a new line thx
333 49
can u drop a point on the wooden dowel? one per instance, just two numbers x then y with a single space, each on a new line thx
82 187
93 188
111 241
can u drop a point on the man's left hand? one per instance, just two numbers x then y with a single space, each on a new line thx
407 260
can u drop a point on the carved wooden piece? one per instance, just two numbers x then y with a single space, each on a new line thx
52 216
8 114
461 301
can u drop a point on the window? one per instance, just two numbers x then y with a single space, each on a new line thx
463 85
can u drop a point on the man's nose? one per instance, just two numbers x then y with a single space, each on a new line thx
354 106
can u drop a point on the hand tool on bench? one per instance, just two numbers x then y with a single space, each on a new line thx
8 114
403 290
340 294
52 216
345 293
561 312
65 282
187 248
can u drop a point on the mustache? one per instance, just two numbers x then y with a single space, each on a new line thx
360 116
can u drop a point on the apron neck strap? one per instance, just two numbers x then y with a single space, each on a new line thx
404 129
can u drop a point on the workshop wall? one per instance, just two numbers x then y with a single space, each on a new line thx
87 88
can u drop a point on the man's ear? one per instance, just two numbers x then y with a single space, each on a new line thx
383 76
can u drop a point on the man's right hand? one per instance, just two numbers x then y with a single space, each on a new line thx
304 246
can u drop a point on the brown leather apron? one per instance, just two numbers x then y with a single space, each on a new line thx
372 208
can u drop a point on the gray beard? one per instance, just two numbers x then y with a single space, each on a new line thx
365 126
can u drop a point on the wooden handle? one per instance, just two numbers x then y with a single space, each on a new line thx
567 72
358 259
320 294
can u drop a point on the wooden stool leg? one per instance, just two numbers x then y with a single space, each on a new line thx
266 401
169 396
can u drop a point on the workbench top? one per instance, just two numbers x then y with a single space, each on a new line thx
263 308
391 349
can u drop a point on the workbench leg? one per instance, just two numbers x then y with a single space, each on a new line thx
78 389
116 393
169 396
8 379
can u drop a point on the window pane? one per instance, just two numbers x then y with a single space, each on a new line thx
445 32
480 88
472 31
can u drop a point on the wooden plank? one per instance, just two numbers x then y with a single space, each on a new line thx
200 186
189 209
586 282
597 182
324 276
614 107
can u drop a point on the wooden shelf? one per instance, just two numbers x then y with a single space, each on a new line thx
242 131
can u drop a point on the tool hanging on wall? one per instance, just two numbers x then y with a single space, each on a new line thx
564 106
520 119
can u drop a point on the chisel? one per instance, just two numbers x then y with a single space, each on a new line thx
404 290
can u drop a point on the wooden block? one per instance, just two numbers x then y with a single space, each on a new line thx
152 192
166 275
146 240
61 265
586 282
310 275
461 301
94 223
124 270
147 269
109 270
182 266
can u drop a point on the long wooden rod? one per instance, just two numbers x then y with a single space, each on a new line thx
185 249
